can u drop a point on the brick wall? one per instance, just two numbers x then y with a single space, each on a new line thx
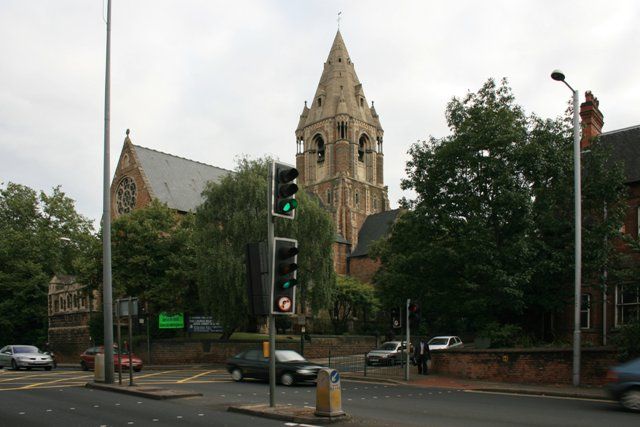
533 366
363 268
166 352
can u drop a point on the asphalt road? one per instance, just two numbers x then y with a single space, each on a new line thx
57 398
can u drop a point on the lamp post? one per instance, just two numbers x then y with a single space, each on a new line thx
559 76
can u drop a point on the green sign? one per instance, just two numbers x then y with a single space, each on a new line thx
171 321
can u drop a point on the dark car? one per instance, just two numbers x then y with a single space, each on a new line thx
291 367
88 357
624 384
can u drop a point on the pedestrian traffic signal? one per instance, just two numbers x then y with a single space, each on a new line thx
283 198
414 316
285 266
396 318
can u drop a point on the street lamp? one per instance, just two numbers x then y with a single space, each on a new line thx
559 76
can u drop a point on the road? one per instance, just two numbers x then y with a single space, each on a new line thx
58 398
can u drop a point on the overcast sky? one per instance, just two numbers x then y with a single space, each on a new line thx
211 80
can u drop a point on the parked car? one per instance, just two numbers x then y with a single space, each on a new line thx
291 367
444 342
389 353
24 356
623 382
87 359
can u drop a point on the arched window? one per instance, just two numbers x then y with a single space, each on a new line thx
319 102
375 203
329 197
356 198
362 145
319 143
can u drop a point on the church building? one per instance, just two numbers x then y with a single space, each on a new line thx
339 153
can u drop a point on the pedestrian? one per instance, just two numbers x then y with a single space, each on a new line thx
422 356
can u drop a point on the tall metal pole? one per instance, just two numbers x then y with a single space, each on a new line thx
130 347
406 365
578 238
272 318
107 298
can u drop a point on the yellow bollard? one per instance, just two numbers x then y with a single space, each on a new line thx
265 349
328 393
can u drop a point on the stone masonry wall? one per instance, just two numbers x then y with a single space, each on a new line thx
532 366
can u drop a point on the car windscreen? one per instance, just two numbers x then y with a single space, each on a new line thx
439 341
25 349
289 356
388 346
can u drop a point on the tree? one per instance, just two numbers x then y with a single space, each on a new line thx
40 235
154 258
489 235
233 214
350 297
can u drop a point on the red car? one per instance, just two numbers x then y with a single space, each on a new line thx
87 359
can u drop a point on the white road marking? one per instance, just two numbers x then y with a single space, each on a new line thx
539 396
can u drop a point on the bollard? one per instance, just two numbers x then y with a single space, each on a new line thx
98 368
328 394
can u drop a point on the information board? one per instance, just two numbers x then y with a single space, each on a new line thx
171 321
203 324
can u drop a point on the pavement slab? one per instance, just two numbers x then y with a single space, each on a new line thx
150 392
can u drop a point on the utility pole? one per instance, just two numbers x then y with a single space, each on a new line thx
107 297
406 365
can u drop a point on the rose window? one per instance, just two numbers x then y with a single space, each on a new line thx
126 196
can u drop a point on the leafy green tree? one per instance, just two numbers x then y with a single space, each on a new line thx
351 297
488 237
153 258
233 214
40 235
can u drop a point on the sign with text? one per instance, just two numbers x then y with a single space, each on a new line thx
171 321
203 324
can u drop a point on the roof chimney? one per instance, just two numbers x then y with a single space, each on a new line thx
592 119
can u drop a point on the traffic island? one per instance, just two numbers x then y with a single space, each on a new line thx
150 392
304 415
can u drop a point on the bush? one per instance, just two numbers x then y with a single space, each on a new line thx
506 335
628 341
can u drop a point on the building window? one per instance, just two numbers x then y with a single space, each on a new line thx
356 198
375 203
56 306
319 102
627 304
126 196
319 143
585 311
362 145
329 198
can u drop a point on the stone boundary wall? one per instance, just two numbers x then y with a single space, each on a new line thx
529 366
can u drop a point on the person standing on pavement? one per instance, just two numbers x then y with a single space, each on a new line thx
422 356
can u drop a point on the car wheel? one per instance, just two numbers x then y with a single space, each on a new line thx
137 369
631 399
14 365
236 374
47 368
84 366
286 379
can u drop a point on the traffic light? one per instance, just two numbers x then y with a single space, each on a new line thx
396 318
414 316
283 198
285 257
258 287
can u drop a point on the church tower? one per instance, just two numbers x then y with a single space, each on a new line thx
339 149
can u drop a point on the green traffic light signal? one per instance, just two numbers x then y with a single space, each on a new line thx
283 201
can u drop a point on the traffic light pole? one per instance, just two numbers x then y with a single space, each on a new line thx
406 365
272 318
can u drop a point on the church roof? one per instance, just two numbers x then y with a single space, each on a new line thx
176 181
339 90
375 227
625 148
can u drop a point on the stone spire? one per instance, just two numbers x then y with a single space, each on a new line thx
339 89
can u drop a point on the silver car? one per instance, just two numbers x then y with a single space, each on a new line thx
24 356
389 353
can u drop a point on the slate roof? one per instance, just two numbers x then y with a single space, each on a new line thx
625 147
374 227
176 181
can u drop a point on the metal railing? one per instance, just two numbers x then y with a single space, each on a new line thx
357 364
